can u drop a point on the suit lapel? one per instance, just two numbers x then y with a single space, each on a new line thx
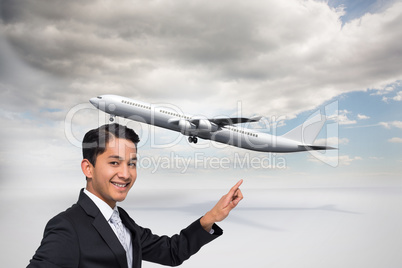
128 222
110 238
103 228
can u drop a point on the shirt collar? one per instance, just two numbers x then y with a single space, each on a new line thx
104 208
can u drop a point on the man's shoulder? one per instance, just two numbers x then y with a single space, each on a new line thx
78 210
73 220
73 212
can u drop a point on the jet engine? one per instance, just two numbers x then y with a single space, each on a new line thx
204 125
186 127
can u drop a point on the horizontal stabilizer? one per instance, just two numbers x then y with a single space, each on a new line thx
316 148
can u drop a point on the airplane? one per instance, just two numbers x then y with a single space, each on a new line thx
220 129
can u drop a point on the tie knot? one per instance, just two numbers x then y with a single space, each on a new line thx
115 218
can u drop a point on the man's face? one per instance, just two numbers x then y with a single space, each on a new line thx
114 173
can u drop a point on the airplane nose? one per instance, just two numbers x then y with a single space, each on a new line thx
94 102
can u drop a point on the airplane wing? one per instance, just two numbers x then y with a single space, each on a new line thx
233 120
224 121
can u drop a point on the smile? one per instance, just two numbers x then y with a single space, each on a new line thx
120 185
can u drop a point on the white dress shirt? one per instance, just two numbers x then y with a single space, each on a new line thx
107 212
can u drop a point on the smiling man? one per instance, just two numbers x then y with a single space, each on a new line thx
96 233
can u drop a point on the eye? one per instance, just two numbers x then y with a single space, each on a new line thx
114 163
132 164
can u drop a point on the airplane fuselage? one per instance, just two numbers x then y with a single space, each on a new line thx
168 118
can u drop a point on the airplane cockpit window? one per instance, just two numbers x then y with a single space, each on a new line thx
99 97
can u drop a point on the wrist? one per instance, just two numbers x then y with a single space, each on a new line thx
207 222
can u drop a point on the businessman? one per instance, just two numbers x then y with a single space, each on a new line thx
94 232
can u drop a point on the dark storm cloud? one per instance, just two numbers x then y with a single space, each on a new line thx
66 37
280 53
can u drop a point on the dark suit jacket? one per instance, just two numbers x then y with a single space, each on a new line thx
81 237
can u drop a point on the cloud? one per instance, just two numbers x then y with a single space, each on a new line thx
342 160
395 140
343 119
376 158
362 117
398 96
332 141
397 124
289 56
386 89
272 58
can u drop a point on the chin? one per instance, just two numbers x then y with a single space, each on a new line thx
120 197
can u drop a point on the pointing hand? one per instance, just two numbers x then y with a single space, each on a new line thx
222 209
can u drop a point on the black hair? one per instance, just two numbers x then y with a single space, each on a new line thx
95 140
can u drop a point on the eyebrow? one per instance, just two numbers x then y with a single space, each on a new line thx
120 158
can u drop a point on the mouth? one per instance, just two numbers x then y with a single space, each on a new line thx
120 185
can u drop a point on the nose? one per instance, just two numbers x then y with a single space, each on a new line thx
95 102
124 172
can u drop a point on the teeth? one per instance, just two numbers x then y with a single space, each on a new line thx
119 185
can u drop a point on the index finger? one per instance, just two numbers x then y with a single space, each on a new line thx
234 188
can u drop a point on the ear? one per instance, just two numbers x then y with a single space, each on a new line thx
86 168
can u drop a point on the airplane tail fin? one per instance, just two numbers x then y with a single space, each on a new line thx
308 131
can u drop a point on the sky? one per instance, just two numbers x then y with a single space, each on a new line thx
283 60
